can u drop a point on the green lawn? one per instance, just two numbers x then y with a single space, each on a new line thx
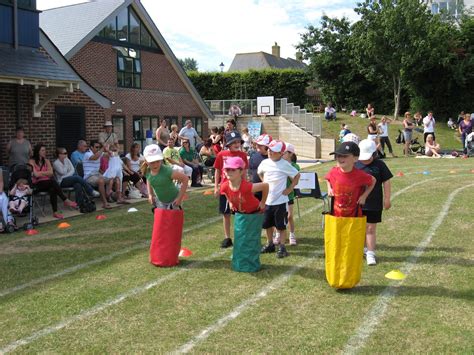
446 137
90 288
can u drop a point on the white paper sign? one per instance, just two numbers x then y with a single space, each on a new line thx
307 181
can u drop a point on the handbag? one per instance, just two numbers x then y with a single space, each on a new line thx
344 239
247 243
166 237
133 192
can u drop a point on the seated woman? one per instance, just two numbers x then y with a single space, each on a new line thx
207 153
65 175
432 148
43 181
134 159
189 158
370 110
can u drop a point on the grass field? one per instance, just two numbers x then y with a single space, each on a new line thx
90 288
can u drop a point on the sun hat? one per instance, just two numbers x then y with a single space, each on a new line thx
351 137
231 137
264 139
234 163
277 146
108 124
347 148
152 153
367 149
290 148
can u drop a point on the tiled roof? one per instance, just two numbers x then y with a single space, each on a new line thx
33 64
69 25
262 60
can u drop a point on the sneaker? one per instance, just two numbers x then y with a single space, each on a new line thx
276 238
226 243
95 193
281 253
365 252
268 248
293 239
371 258
58 215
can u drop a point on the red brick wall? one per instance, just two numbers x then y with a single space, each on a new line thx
162 93
41 129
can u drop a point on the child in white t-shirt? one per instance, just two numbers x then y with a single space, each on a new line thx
275 171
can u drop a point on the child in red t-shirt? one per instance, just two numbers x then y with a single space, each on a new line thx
348 186
233 143
239 192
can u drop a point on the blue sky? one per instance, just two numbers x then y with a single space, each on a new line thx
213 31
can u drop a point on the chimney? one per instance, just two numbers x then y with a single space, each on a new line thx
299 56
276 50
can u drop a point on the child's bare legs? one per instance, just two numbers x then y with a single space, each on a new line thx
291 223
13 206
22 206
370 235
226 221
110 187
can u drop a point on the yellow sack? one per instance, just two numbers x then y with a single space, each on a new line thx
344 247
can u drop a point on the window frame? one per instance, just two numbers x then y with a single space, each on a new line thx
123 72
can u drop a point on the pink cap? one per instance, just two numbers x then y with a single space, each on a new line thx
264 139
234 163
277 146
290 148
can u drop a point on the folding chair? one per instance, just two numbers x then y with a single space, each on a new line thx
308 186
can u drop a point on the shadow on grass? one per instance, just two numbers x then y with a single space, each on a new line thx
413 247
411 291
434 260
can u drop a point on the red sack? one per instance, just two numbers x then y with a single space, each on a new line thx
166 237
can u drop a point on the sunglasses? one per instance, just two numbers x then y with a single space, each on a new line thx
62 153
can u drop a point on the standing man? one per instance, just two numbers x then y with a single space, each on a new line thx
78 155
108 137
429 126
188 132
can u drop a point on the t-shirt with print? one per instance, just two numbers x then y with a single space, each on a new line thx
219 163
379 170
275 173
162 184
171 153
242 200
291 195
347 188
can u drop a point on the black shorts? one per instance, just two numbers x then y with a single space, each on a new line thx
276 216
373 216
224 206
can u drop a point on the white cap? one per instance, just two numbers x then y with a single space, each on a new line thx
277 146
351 137
290 148
152 153
264 139
367 149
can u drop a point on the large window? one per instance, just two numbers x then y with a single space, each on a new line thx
119 130
129 68
143 126
126 27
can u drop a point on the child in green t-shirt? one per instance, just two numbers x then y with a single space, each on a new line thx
291 158
162 191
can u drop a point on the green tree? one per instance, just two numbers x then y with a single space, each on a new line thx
189 64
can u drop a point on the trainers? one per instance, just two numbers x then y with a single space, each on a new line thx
268 248
371 258
276 238
281 253
293 239
226 243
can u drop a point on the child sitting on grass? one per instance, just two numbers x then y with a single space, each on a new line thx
377 199
348 186
290 157
239 192
275 171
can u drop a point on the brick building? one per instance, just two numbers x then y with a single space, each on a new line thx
47 97
115 46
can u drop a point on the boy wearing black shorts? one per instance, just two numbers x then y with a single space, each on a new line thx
275 171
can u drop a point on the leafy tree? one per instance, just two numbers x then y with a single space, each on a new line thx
189 64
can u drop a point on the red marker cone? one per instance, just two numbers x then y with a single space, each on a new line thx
400 174
63 225
472 171
185 252
100 217
208 192
31 232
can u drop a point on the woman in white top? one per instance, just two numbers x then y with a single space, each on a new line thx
66 176
432 148
383 136
247 139
134 160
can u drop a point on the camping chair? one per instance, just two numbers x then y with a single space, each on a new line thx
308 186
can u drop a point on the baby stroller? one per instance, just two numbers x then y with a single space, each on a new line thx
23 172
415 146
470 145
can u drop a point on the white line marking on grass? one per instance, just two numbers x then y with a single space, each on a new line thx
237 311
102 306
377 312
108 257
